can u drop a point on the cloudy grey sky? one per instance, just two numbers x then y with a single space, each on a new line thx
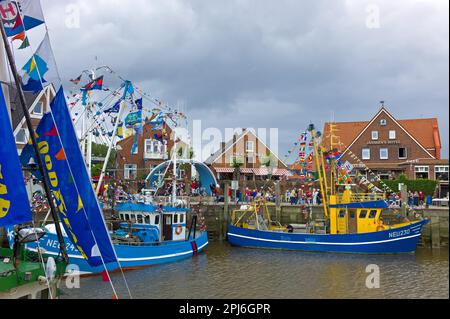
257 63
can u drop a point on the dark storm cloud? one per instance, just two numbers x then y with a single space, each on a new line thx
268 63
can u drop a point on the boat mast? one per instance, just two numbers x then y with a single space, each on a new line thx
113 138
40 163
174 186
319 170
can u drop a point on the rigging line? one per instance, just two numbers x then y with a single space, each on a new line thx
101 101
59 137
41 258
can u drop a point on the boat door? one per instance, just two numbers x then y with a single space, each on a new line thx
352 224
167 227
342 222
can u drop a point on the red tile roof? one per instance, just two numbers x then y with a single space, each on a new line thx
425 131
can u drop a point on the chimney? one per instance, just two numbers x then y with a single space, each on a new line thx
437 141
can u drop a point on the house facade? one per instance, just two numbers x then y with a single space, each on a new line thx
38 104
390 147
150 152
254 158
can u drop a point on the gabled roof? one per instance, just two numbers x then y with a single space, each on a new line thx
216 155
420 130
236 138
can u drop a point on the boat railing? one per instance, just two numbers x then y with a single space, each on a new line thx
361 197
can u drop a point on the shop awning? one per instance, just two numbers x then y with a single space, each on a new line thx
224 169
275 172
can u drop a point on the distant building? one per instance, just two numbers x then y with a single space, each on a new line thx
390 147
38 104
150 153
257 161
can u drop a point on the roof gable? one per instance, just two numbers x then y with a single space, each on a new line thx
384 111
235 140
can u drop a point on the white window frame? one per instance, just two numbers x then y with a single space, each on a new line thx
421 169
392 134
383 122
248 148
362 154
25 141
148 143
387 153
42 109
437 169
127 168
374 135
406 153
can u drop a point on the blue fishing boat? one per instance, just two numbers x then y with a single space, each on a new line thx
147 235
398 238
352 223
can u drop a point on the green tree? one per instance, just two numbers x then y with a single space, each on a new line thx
100 150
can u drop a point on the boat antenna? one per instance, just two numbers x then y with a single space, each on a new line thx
40 163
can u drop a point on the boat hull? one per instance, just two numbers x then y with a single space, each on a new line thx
398 240
129 256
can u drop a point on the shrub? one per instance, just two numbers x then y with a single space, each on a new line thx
427 186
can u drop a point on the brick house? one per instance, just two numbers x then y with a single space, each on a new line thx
257 160
38 104
390 147
149 154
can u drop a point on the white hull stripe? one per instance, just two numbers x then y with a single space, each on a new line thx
323 243
131 259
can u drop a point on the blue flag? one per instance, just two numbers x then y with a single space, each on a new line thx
71 186
14 205
115 108
138 103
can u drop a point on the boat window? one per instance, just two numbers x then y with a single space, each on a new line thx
181 218
175 218
352 213
342 213
372 214
140 219
157 220
147 219
363 214
168 220
127 217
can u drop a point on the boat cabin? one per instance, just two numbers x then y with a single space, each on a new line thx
356 213
152 224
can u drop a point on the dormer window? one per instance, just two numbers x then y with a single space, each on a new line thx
383 122
374 135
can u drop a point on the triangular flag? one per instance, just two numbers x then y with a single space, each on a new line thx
60 156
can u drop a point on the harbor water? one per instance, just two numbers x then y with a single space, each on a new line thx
229 272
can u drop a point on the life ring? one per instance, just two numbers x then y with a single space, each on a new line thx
178 229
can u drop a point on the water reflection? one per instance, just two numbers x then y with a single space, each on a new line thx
231 272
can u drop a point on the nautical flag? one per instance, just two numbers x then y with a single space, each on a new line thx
14 205
133 119
22 37
139 103
95 84
115 108
77 80
40 69
120 130
15 21
71 185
